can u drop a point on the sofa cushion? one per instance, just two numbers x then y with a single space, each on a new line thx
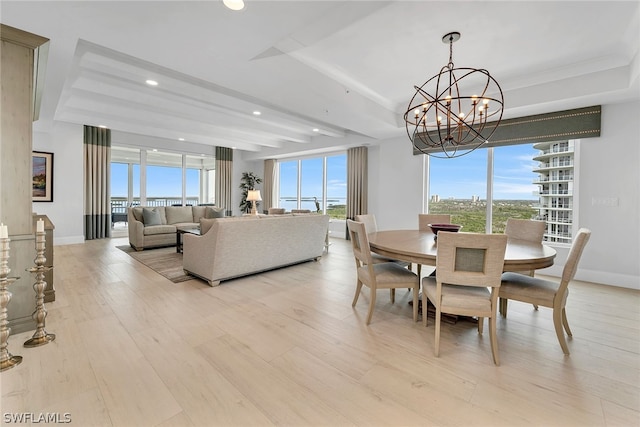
199 212
137 214
159 229
214 212
151 216
176 214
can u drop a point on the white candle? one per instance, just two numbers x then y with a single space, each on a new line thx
4 232
40 226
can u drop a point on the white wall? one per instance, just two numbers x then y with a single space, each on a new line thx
395 184
66 210
609 169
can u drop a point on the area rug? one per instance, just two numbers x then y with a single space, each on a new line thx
165 261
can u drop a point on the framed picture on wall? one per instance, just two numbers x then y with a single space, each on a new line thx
42 166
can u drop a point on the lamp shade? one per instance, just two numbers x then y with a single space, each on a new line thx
254 196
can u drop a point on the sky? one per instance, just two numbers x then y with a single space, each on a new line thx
458 178
466 176
311 181
161 181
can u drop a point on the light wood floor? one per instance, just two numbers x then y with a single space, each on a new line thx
287 348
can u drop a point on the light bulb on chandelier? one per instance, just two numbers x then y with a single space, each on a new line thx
442 121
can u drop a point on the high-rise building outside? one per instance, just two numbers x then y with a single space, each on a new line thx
555 181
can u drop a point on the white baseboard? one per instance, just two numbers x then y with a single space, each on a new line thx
602 277
72 240
609 278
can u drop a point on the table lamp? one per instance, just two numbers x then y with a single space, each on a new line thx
253 196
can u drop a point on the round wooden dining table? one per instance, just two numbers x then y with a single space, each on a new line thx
421 247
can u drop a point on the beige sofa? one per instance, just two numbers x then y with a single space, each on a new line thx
234 247
161 230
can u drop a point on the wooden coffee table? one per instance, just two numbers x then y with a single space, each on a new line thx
180 231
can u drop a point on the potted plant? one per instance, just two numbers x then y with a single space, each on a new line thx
248 182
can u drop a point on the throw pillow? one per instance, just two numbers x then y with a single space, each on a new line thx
213 212
151 217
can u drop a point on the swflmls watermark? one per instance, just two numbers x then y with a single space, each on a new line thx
34 418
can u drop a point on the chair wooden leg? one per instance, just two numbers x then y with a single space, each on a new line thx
503 302
438 313
415 304
565 322
480 325
355 297
392 295
372 304
494 340
424 309
557 323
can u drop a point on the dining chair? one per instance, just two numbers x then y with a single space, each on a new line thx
423 225
370 225
547 293
425 219
525 229
468 272
378 275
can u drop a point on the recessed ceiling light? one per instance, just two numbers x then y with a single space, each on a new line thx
234 4
316 130
180 139
152 82
256 113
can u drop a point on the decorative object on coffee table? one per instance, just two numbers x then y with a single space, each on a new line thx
7 360
40 336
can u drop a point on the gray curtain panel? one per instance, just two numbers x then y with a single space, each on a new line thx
357 182
268 190
224 169
97 183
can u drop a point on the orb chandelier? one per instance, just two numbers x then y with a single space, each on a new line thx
446 118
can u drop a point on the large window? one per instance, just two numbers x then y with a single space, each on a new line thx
288 185
459 188
164 179
311 182
337 186
528 181
157 178
514 191
323 180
